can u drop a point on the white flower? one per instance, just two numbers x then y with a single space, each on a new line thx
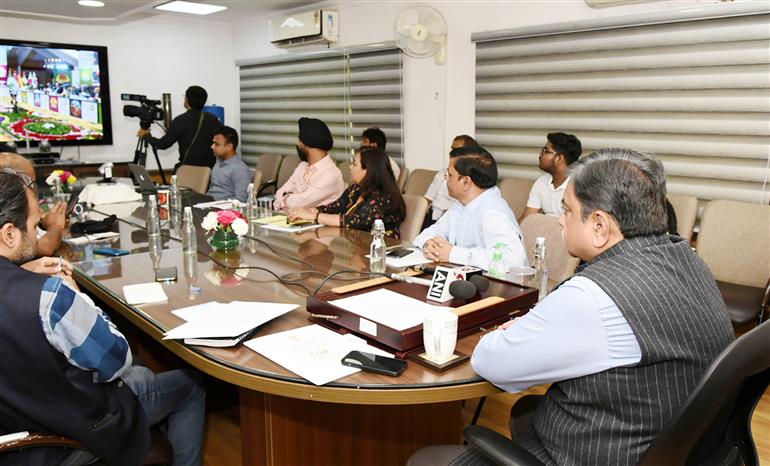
240 227
210 221
51 180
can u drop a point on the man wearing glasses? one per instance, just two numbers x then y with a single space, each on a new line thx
555 158
467 234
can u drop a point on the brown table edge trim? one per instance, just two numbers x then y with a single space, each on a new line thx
363 396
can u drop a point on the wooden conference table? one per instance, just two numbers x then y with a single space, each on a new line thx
360 419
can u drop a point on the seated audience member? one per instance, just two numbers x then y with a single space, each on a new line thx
375 137
230 177
373 194
625 340
54 222
71 371
316 180
437 193
480 218
556 156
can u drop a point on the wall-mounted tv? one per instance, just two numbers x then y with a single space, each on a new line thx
54 92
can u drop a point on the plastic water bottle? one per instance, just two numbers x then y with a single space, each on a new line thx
189 233
252 212
377 248
175 196
153 218
541 268
497 266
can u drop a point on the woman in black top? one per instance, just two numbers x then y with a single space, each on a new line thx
373 194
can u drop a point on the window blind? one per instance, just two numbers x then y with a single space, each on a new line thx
694 92
350 91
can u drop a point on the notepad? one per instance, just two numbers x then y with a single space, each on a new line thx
144 293
288 228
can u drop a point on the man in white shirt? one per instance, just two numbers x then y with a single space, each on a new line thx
437 193
375 137
556 156
480 218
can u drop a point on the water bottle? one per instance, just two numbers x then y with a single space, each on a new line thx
252 212
153 218
175 196
497 266
541 268
189 234
377 248
191 274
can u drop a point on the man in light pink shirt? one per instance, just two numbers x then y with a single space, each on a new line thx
316 180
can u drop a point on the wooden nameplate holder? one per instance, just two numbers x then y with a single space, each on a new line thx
501 302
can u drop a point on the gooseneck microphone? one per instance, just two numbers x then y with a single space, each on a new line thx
408 279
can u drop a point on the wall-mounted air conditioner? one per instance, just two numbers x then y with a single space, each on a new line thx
310 27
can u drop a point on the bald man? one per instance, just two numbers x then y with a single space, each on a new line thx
54 222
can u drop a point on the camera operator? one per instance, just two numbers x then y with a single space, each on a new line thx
193 130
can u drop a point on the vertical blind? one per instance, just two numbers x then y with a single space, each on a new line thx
696 93
350 91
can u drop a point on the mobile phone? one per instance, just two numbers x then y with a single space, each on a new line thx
399 252
374 363
165 274
111 251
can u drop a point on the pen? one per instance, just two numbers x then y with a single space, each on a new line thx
58 266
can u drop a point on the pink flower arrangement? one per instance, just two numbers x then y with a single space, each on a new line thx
226 220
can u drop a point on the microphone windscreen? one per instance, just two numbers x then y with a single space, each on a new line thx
482 283
462 289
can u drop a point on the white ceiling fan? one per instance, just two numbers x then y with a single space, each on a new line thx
421 32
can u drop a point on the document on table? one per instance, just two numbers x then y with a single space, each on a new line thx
227 321
410 260
312 352
93 238
388 308
222 204
288 228
144 293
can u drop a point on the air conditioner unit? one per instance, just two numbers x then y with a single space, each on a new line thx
310 27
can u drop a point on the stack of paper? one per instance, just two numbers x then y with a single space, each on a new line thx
312 352
224 324
388 308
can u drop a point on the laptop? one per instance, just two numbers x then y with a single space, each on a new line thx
142 178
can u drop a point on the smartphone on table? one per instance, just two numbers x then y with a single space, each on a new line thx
374 363
111 251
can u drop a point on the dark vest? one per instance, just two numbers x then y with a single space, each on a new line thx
41 391
670 300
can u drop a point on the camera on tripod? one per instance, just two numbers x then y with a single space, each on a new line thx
147 112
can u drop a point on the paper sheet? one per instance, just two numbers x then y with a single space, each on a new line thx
290 228
222 204
217 320
415 258
388 308
312 352
93 238
144 293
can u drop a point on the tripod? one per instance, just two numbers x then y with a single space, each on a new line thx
140 157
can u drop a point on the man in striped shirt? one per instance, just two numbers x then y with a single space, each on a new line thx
69 369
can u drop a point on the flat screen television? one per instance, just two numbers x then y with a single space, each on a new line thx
54 92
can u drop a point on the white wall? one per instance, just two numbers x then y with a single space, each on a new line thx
438 101
151 57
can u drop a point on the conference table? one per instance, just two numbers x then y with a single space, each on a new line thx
364 418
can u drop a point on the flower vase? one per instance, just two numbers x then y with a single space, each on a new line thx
224 240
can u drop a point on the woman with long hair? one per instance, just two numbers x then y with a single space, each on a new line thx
373 194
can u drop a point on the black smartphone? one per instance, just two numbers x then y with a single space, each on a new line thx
374 363
165 274
399 252
111 251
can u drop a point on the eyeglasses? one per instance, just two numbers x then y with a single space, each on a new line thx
546 150
24 177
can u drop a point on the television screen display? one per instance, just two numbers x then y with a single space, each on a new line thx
54 92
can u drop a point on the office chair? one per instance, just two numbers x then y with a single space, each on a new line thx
194 177
561 265
686 210
288 164
734 242
160 452
713 426
419 181
268 165
516 192
416 208
402 177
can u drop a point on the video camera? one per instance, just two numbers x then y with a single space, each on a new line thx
147 112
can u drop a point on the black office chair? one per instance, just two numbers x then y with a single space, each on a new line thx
160 452
713 426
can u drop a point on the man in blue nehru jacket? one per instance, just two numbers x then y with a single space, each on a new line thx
67 370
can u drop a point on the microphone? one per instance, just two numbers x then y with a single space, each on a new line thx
462 289
408 279
481 282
